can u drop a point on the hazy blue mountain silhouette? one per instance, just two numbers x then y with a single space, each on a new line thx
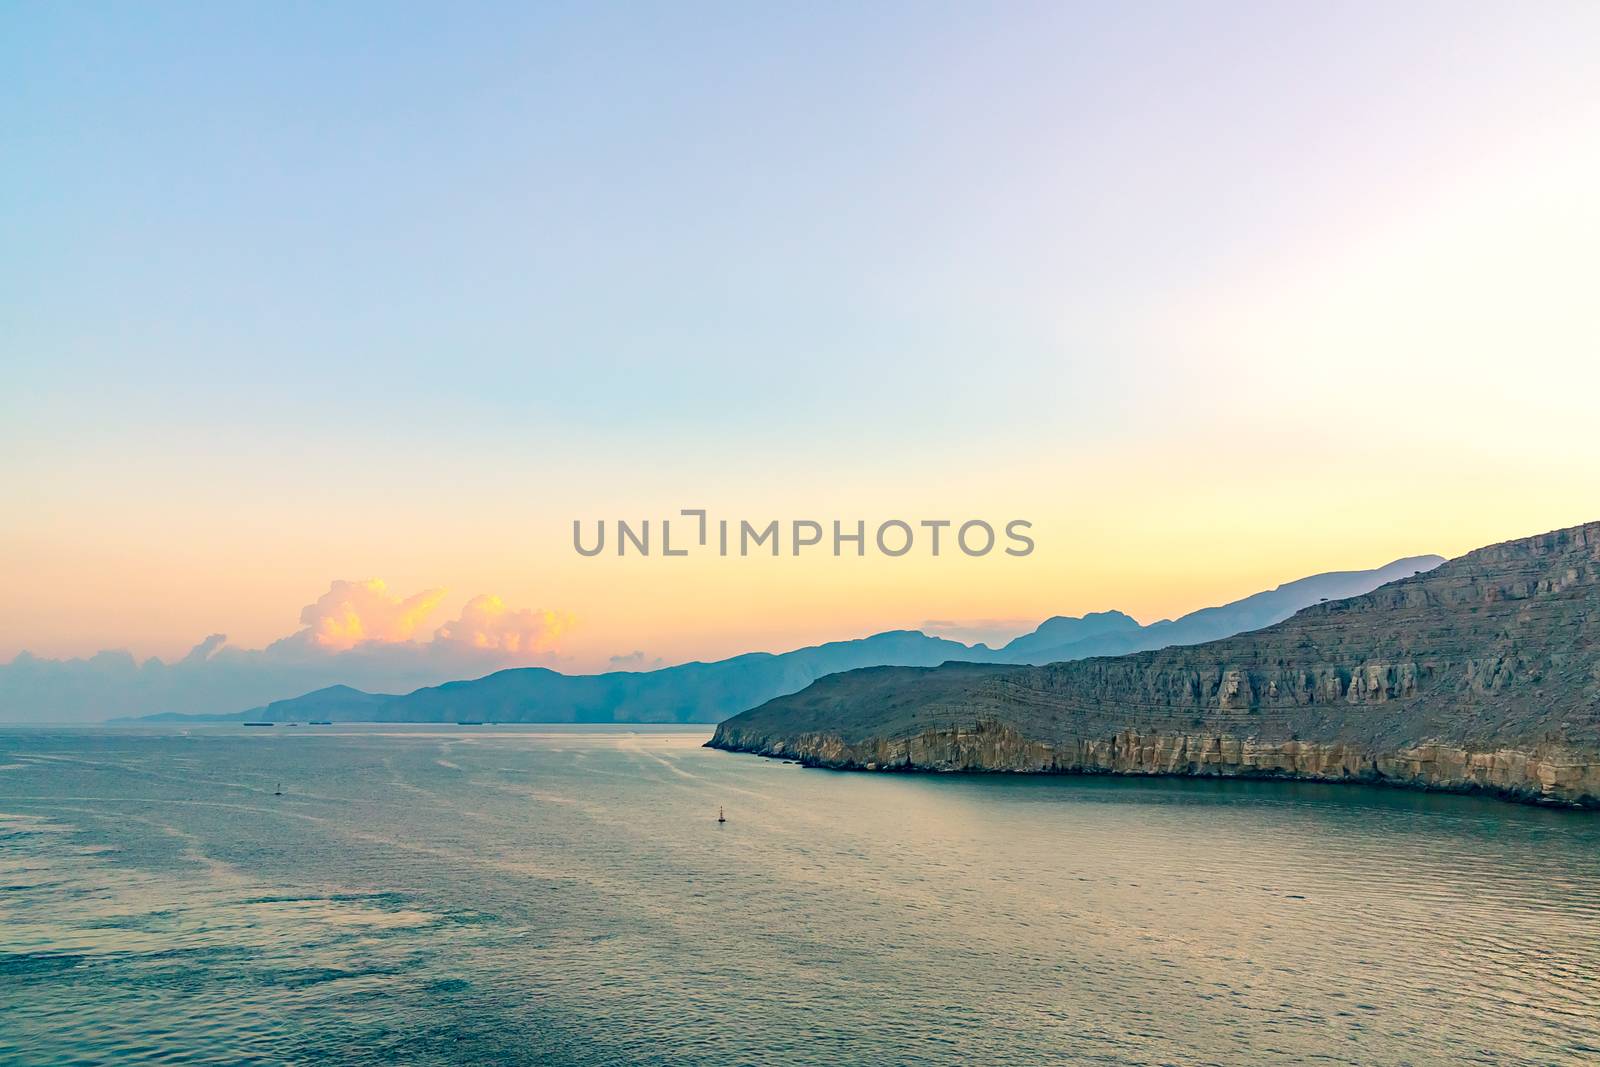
1064 630
710 692
1212 624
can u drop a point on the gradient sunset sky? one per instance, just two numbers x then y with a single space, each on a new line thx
1217 295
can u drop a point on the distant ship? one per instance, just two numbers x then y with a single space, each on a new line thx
721 817
321 722
260 724
278 792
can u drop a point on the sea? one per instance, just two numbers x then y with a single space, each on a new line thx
483 894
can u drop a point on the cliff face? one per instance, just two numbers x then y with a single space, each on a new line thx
1481 675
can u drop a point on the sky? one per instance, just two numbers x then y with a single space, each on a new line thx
298 299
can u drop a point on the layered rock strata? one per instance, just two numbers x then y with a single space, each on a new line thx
1481 675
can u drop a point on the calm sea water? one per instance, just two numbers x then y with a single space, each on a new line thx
491 895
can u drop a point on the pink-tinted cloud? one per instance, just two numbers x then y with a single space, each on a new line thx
487 623
358 633
354 613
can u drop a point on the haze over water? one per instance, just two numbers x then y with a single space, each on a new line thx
502 895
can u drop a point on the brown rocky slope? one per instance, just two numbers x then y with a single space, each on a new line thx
1481 675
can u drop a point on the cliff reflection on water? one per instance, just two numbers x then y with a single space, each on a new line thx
547 894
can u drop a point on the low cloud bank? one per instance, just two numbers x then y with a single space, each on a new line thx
357 633
636 661
991 632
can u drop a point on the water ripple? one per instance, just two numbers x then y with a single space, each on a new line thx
555 896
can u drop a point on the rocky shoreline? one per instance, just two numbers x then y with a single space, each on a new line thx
1482 675
1549 775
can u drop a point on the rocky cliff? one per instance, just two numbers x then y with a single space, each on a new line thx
1483 674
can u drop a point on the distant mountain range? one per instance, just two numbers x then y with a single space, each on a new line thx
710 692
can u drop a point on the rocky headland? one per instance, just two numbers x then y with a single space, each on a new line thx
1480 675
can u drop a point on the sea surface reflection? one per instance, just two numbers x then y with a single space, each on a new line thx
431 895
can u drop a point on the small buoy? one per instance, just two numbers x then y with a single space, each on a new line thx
721 817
